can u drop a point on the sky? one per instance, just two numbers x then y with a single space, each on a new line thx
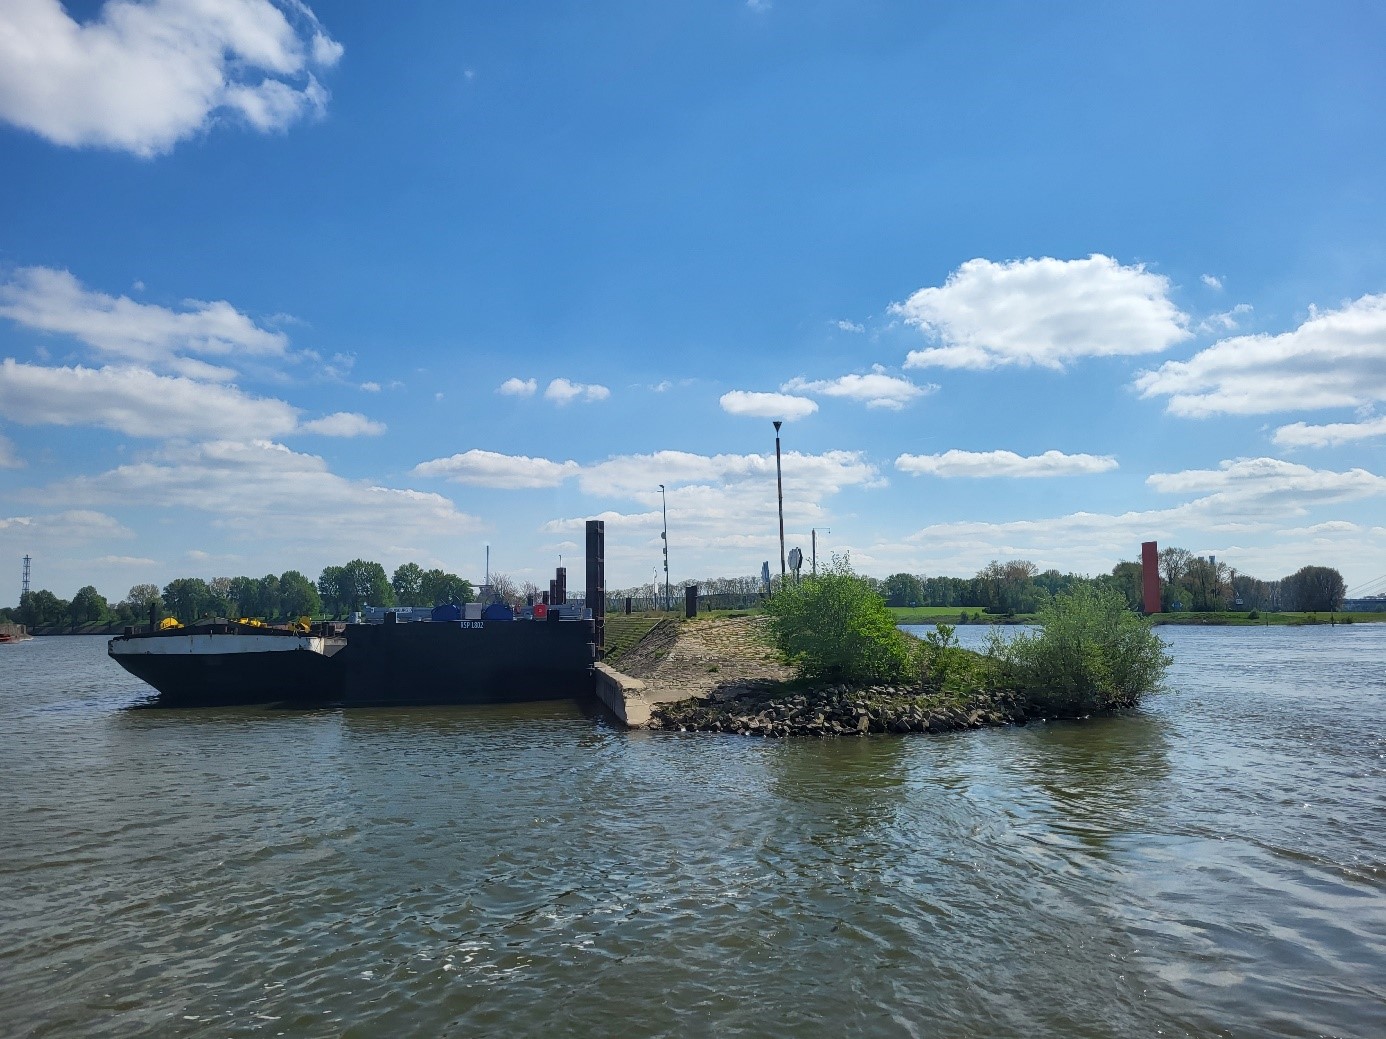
285 284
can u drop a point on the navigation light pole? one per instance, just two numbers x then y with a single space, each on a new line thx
664 505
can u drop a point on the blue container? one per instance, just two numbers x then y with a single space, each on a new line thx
449 611
498 611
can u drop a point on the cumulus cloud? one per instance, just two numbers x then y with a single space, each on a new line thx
517 387
1042 312
767 405
142 76
1242 498
876 390
492 469
1004 463
1336 358
50 300
850 326
1301 434
140 403
561 391
1225 321
1255 487
343 424
1212 281
263 490
74 526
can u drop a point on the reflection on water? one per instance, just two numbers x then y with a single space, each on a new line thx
1214 863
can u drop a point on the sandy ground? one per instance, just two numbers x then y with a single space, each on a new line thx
698 657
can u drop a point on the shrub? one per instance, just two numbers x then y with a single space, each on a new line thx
836 627
1092 654
1254 615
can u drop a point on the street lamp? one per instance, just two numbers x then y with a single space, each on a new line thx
779 490
664 505
814 534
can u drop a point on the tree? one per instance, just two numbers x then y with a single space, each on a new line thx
187 598
836 627
365 583
1127 578
1091 654
902 590
1314 589
43 607
297 596
88 606
437 587
332 587
140 596
245 594
504 589
407 583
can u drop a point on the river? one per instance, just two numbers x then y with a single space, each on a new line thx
1213 864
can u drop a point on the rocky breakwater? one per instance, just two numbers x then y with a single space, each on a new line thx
777 709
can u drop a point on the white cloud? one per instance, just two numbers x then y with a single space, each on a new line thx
143 76
767 405
876 390
51 300
264 491
850 326
1004 463
517 387
1212 281
662 386
1256 487
561 391
1336 358
1043 312
371 387
140 403
343 424
1244 499
141 561
135 402
9 457
1301 434
491 469
75 526
1225 321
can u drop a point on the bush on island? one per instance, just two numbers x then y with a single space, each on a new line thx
1091 654
837 628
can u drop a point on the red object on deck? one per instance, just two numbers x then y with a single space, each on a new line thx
541 611
1150 576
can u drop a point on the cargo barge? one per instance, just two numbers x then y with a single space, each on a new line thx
450 654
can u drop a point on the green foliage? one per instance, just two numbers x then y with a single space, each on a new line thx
836 626
89 606
437 587
187 598
297 596
940 657
1092 654
407 582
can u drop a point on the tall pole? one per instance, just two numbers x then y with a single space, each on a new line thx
779 490
664 505
814 533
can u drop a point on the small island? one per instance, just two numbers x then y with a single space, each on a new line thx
827 659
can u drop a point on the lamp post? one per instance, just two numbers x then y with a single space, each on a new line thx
814 534
664 505
779 491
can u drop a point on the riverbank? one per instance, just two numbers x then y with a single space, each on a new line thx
13 632
722 676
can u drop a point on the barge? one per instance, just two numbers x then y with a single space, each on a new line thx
450 654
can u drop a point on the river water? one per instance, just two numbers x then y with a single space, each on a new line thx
1213 864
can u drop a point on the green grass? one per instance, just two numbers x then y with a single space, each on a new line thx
1242 618
953 615
623 632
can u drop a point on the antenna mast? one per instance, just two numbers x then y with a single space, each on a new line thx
24 588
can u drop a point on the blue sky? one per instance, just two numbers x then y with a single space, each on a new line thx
281 286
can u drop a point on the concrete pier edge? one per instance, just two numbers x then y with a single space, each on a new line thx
622 695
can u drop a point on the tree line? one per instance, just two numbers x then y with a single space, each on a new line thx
1187 582
338 591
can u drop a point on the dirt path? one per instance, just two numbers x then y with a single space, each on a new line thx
698 657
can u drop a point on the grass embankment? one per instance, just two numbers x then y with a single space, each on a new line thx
858 673
1254 618
626 631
